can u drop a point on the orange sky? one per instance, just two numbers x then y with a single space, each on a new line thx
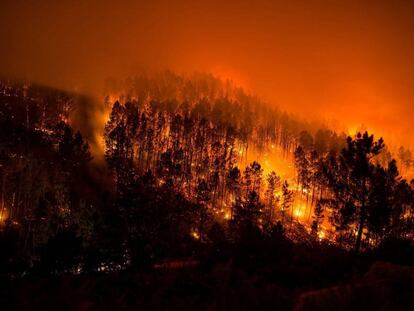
352 61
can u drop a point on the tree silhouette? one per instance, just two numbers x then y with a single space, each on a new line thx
317 218
350 178
287 200
271 200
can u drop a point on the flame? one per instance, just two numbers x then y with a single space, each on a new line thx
195 235
298 213
102 117
321 235
3 215
352 130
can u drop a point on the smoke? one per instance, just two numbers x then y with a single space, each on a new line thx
346 62
88 117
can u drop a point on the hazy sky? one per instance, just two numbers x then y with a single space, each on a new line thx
348 60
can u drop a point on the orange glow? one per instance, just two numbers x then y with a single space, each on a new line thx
230 73
321 235
195 235
301 61
344 62
227 215
4 215
298 213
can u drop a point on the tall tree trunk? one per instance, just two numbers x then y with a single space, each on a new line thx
362 217
359 235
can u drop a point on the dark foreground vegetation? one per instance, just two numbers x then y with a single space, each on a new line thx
278 276
176 218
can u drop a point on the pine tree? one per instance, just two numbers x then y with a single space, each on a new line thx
271 200
287 200
317 218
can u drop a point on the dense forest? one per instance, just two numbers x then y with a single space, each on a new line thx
198 144
183 186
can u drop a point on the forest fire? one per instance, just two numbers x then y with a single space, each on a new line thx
265 169
215 161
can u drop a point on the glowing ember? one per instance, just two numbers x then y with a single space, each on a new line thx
298 213
195 235
321 235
